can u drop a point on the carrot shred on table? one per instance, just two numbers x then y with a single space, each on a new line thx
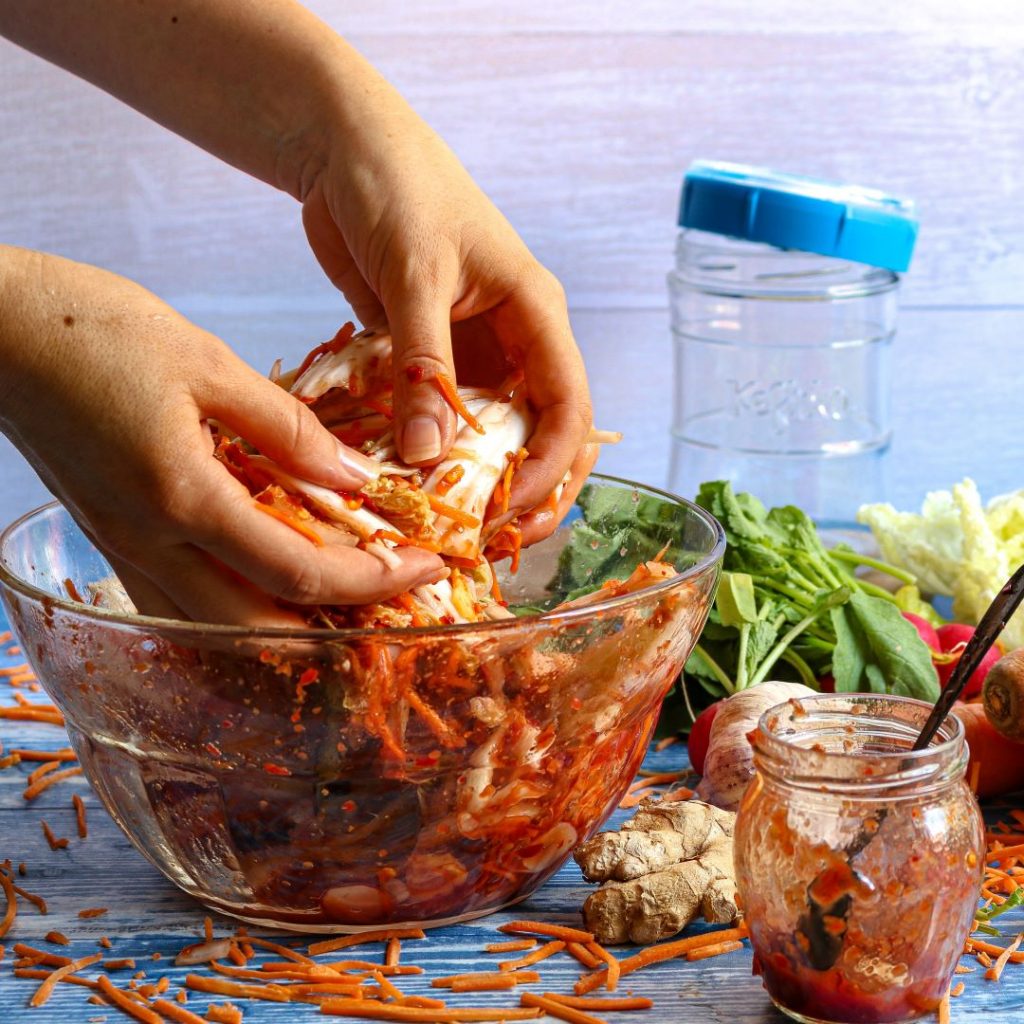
381 935
9 761
943 1009
996 970
384 1011
55 843
613 964
516 977
365 965
973 945
548 949
47 781
41 975
717 949
276 947
46 989
43 769
124 1002
665 742
12 904
556 931
36 713
424 1002
64 754
176 1013
224 1013
16 670
658 954
91 912
498 984
585 957
512 946
40 956
123 964
602 1002
957 989
217 986
392 952
559 1010
387 988
57 938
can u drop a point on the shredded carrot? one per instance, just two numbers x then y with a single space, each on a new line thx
382 1011
666 742
43 769
275 947
55 843
402 541
64 754
973 945
40 956
9 761
657 954
548 949
365 965
513 977
176 1013
72 591
37 901
16 670
996 970
496 984
1000 856
714 950
510 947
613 964
449 480
331 945
36 713
46 989
456 515
124 964
217 986
446 388
57 938
556 931
943 1009
124 1002
91 912
560 1010
424 1002
12 905
50 780
40 975
393 952
336 344
224 1014
957 989
585 957
601 1003
283 517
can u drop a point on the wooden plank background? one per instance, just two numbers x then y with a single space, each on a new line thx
578 119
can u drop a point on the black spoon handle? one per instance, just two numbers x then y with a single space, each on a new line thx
992 623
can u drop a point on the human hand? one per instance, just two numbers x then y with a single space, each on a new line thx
402 230
108 395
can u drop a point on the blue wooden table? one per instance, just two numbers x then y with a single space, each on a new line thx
149 920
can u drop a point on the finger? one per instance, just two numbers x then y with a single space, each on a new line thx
556 381
285 430
541 522
281 562
420 323
147 597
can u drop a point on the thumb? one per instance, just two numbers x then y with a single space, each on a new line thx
285 430
420 324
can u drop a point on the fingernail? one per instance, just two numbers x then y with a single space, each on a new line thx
421 440
359 465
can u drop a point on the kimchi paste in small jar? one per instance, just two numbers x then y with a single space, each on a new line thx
858 860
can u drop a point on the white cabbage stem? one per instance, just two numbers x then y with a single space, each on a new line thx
729 764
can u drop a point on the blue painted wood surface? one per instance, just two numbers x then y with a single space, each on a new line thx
150 920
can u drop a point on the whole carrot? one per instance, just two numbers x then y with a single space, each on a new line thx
996 762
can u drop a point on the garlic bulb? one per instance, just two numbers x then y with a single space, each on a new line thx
729 764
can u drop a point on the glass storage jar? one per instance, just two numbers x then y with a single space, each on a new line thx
858 860
784 302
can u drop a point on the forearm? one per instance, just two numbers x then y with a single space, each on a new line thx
255 83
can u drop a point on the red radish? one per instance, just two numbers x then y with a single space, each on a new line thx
953 637
700 734
925 630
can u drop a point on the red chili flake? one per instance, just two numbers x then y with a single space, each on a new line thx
227 724
275 769
213 750
414 374
269 657
575 703
348 806
311 675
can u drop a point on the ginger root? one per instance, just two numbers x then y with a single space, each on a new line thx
666 864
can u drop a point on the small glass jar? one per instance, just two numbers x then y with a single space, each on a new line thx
783 302
858 860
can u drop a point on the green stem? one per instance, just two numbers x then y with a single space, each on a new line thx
873 589
807 676
856 558
741 658
776 652
800 597
716 670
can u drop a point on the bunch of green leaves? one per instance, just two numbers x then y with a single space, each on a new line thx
788 608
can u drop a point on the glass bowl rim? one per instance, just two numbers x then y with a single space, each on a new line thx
178 627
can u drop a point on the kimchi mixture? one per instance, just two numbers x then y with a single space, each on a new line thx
389 775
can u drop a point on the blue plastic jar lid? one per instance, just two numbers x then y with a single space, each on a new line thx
795 212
